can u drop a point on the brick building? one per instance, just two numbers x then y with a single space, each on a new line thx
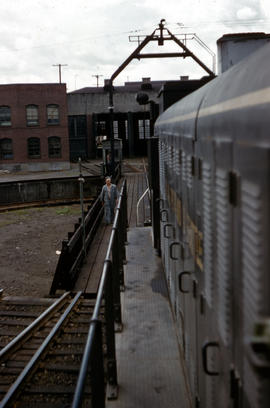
33 127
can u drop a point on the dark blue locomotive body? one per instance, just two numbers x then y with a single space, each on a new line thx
215 227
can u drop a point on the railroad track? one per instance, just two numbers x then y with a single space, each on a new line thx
42 347
46 203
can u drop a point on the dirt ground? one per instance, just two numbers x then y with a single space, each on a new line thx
29 239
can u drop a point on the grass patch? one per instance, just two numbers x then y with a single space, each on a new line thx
22 212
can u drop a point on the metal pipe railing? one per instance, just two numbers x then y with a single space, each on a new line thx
109 288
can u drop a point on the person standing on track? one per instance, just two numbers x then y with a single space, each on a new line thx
109 197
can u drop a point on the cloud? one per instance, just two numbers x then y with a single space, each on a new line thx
246 13
92 37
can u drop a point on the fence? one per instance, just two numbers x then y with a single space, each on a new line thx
72 253
76 246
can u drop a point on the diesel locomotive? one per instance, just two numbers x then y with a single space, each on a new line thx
214 151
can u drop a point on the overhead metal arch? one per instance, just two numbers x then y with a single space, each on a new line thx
160 35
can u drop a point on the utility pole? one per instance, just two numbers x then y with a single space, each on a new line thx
97 77
59 68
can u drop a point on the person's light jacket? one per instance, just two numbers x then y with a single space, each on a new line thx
104 196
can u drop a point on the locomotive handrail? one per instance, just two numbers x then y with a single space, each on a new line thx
109 288
138 203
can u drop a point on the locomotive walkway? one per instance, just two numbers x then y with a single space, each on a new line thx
150 369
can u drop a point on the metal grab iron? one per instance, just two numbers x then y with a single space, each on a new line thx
172 245
205 348
165 231
185 273
164 211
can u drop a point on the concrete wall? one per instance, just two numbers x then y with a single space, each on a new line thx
88 103
44 190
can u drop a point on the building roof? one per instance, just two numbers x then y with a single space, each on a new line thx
35 84
243 36
127 87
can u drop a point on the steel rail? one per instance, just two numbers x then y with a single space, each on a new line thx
78 395
32 365
27 332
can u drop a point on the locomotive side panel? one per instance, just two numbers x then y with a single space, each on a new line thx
218 213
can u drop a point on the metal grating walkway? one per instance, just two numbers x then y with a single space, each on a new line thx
150 369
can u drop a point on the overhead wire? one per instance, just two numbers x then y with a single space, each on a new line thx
52 45
238 22
181 25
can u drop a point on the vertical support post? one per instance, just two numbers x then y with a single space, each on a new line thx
112 390
121 250
59 69
81 181
131 147
97 369
122 230
116 281
61 280
123 233
125 210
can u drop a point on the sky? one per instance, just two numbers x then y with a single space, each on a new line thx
91 38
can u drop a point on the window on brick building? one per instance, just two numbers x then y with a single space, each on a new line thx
33 147
54 145
53 114
6 150
32 115
5 116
